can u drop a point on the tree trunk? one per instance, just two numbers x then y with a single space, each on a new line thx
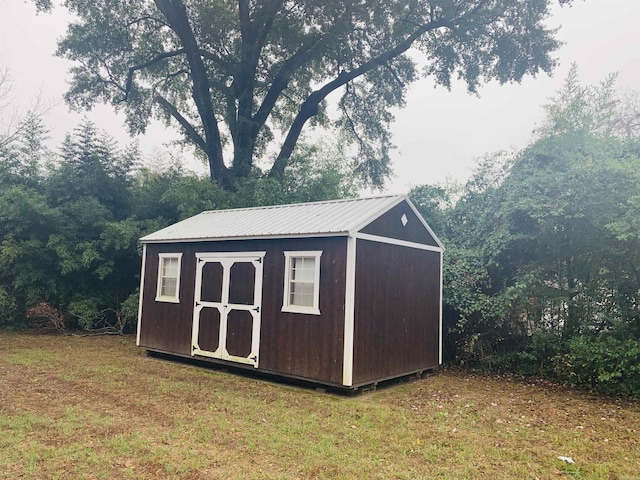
175 13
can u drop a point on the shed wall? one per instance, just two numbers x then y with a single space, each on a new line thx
300 345
390 225
397 311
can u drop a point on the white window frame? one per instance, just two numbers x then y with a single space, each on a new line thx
286 305
168 298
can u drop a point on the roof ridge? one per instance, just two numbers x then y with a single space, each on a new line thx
328 217
319 202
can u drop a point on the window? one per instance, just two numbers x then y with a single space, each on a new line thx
168 277
302 282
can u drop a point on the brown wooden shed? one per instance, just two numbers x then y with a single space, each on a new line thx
344 293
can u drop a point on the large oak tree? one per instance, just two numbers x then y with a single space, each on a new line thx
242 78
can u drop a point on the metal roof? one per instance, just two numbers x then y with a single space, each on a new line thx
334 217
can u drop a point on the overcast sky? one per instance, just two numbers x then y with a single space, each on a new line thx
439 134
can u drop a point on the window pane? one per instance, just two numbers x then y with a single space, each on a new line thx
168 287
303 268
170 267
301 294
308 271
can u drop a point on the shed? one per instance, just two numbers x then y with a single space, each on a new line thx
343 293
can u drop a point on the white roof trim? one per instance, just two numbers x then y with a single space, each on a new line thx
424 223
255 237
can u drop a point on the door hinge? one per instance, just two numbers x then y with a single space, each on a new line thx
254 358
257 309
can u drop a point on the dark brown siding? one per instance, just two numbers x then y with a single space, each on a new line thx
307 346
167 326
397 308
390 225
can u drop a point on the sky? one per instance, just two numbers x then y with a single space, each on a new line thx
439 135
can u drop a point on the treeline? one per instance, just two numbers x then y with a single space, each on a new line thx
542 268
542 261
70 221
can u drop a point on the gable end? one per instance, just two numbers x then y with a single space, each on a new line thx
402 223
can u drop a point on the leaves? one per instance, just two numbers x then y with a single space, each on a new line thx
69 228
252 76
541 275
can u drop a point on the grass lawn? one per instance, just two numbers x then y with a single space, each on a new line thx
78 407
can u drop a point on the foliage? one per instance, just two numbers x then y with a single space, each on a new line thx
608 362
251 75
70 223
543 248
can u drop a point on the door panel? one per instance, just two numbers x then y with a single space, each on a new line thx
209 329
211 289
239 333
241 283
227 304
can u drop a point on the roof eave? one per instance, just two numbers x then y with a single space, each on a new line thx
144 240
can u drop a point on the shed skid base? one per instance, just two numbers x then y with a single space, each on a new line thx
225 367
369 388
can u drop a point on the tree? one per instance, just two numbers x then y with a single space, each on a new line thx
14 124
543 245
244 78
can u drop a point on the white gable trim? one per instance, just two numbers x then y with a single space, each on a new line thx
395 241
424 223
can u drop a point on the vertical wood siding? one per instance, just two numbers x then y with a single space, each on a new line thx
307 346
397 305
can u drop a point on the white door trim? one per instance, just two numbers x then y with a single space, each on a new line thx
227 259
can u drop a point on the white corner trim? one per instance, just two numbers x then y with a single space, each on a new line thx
440 334
395 241
349 313
140 296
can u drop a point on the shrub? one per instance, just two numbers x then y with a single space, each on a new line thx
607 363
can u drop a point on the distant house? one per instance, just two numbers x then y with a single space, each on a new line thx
343 293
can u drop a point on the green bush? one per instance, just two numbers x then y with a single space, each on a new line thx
606 363
541 354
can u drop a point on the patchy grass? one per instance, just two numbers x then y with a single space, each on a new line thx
99 408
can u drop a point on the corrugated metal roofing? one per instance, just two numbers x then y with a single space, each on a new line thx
333 217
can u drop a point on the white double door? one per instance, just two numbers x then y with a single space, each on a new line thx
227 306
